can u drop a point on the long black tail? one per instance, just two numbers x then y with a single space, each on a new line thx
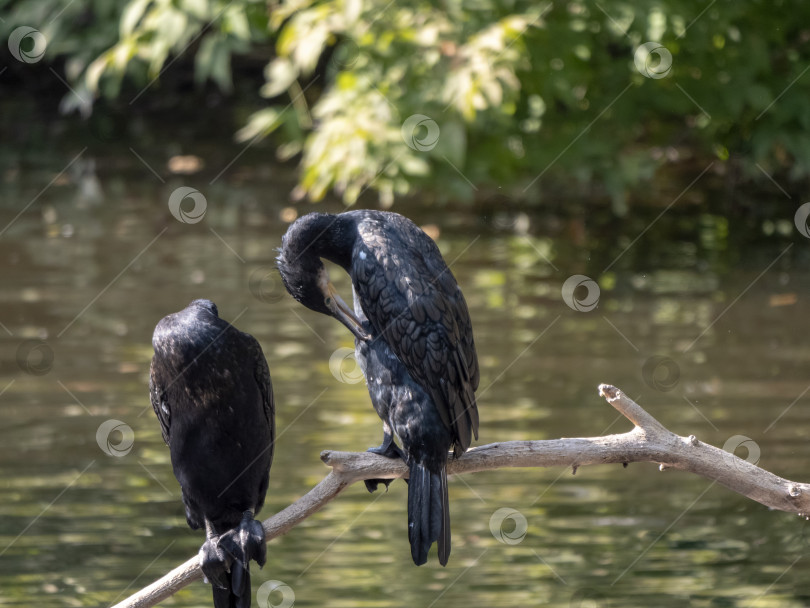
428 513
237 592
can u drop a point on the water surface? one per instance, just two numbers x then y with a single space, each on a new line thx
88 268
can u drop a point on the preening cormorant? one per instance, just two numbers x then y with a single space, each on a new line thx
413 340
210 388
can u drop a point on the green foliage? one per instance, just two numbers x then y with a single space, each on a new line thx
77 31
463 96
152 33
387 63
521 93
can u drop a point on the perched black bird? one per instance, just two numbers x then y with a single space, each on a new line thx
413 340
210 388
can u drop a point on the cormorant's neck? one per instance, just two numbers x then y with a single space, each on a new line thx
332 238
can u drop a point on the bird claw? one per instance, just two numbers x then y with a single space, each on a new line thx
245 542
373 484
215 563
231 552
389 449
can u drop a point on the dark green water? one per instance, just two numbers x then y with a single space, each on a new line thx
724 298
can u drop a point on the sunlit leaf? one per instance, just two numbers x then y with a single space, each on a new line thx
280 74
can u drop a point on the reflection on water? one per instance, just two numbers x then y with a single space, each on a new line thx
721 303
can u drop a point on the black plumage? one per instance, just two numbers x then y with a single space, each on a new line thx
414 342
210 388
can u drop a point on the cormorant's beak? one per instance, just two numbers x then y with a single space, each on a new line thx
344 314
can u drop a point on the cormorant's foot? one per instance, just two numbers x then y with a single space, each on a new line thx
245 542
373 484
389 449
215 563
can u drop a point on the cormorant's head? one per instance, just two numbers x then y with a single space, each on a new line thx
187 320
205 305
305 276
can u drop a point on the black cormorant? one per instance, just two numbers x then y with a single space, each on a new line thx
210 388
413 340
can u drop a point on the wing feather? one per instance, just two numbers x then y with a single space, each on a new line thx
157 395
262 375
413 301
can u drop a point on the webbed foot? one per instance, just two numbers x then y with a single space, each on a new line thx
245 542
389 449
225 558
215 563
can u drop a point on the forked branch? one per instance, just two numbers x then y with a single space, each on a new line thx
648 441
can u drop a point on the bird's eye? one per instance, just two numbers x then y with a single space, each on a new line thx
328 301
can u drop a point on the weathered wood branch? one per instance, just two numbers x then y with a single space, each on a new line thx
648 441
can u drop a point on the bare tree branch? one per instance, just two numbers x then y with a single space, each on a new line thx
648 441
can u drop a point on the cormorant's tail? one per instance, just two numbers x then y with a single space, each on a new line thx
237 592
428 513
